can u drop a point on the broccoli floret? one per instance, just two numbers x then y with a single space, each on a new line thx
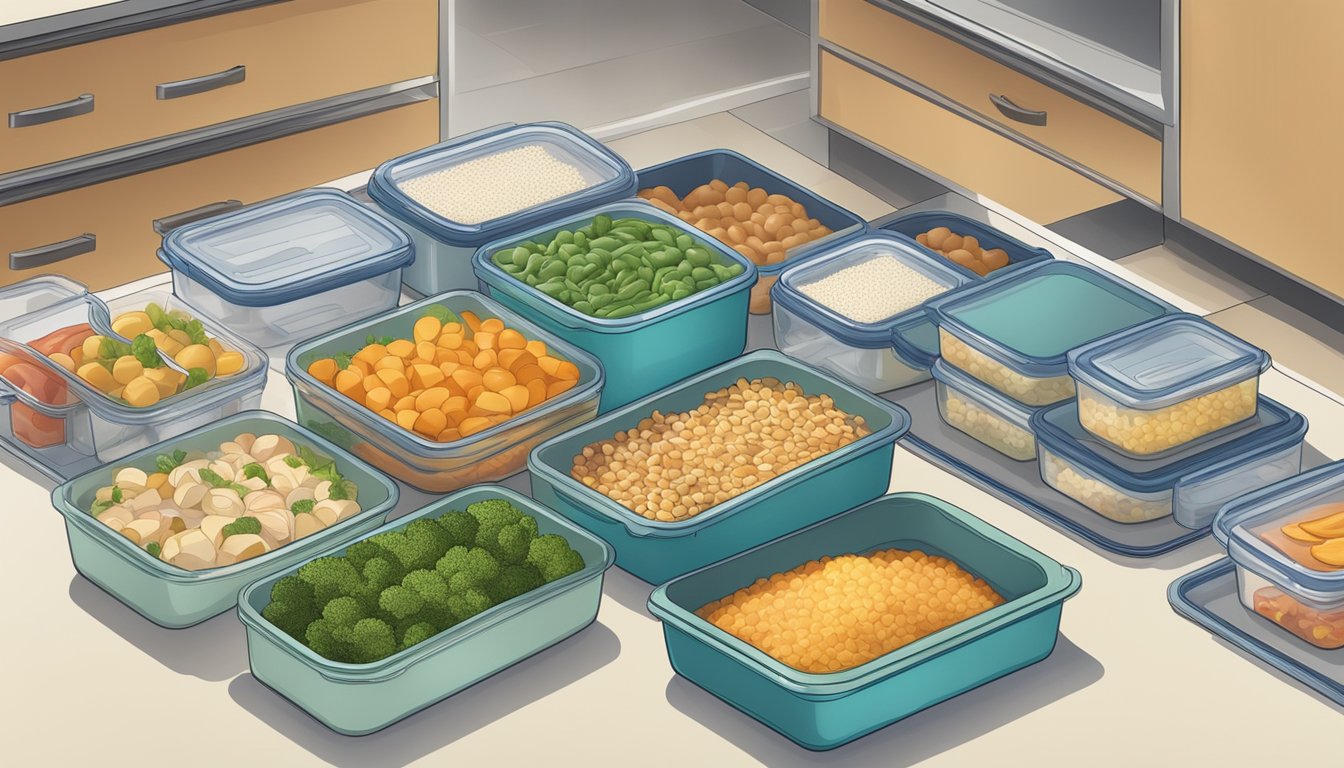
417 633
241 525
382 572
343 611
504 531
153 548
468 603
433 591
418 545
346 633
514 580
292 607
470 567
495 513
361 552
553 558
368 640
331 577
461 528
401 602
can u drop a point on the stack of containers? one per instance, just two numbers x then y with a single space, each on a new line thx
456 196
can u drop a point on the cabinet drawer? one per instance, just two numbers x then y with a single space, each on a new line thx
952 146
1088 136
119 214
182 76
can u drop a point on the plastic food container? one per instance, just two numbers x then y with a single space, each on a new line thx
656 551
355 699
443 245
174 597
1014 332
823 711
1160 385
290 268
878 356
686 173
1191 484
489 455
913 224
74 427
984 413
641 353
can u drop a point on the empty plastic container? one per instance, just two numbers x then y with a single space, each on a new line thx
1014 332
1190 484
1160 385
644 352
984 413
918 222
823 711
500 166
878 355
355 699
686 173
657 551
176 597
289 268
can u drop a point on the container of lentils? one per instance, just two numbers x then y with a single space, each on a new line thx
858 311
642 291
455 196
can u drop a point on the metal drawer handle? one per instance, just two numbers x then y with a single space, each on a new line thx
1014 112
168 223
51 253
80 105
195 85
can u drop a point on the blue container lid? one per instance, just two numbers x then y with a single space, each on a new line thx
287 248
1166 361
788 291
1030 319
608 176
1273 428
1006 407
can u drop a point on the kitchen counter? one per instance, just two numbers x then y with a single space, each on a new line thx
30 26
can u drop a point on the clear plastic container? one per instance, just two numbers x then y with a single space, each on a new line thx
686 173
878 356
289 268
489 455
69 427
918 222
1014 332
444 246
356 699
824 711
1191 484
985 414
657 551
1163 384
174 597
641 353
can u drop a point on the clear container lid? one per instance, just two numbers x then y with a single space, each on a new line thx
1166 361
1031 318
606 175
287 248
1005 407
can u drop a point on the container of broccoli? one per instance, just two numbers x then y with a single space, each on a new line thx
425 606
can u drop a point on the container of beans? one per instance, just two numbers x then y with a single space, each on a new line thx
458 195
760 214
858 311
176 591
1162 385
289 268
1190 485
1014 333
445 392
651 297
914 601
85 382
984 413
964 241
721 462
1287 541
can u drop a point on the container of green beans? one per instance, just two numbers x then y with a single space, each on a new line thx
652 298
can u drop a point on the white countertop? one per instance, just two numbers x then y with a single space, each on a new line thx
16 11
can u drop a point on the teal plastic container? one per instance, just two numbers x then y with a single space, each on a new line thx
642 353
824 711
356 699
174 597
656 551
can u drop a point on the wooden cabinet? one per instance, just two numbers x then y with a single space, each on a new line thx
1261 157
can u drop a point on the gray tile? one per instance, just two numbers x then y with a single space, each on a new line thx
1301 343
1191 277
897 185
795 13
789 119
1114 231
481 63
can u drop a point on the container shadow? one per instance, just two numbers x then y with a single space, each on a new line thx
213 650
441 724
412 499
1180 559
628 590
25 470
916 738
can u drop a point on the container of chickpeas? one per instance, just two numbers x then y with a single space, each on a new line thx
984 413
1190 485
445 392
455 196
721 462
1163 385
971 244
87 381
841 628
762 215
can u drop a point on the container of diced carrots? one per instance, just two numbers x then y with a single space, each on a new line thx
443 393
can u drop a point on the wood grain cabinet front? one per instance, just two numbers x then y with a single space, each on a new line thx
122 90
